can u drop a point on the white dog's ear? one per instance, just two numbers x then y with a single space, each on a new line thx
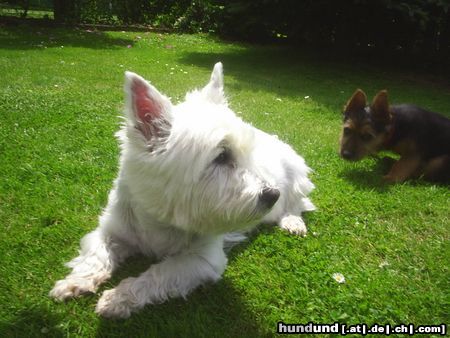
146 107
213 91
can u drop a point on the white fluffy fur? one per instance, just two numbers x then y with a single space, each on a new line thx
174 200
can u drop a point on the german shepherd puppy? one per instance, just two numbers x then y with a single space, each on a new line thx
420 137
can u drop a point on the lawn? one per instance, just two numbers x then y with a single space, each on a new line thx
60 98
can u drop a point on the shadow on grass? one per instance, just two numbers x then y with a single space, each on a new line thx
24 37
325 77
32 322
211 310
369 178
285 71
206 310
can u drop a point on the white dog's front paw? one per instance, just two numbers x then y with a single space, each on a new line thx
71 287
294 224
114 303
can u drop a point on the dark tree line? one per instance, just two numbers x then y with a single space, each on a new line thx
413 27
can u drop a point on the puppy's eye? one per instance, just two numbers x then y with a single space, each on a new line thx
366 137
347 131
224 157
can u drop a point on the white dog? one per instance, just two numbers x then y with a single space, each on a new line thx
189 174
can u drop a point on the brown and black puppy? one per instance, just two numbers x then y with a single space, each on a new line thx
420 137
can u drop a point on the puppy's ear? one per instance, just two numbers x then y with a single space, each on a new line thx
380 107
146 107
213 91
356 103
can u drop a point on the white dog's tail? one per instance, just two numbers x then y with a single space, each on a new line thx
231 239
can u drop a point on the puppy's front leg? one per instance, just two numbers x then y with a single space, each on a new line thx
404 168
175 276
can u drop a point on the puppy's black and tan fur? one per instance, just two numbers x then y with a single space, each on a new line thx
420 137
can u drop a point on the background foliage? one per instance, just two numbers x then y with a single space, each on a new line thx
413 31
412 24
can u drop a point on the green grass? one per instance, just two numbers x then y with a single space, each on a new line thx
60 95
32 13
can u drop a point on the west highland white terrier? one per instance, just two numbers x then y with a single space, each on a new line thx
189 174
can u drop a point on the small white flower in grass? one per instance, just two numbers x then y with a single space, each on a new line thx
307 97
339 277
383 264
278 99
56 86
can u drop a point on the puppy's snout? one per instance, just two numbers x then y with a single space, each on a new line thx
269 196
348 155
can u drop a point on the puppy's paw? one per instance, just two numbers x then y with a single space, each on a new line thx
390 179
294 224
71 287
114 304
387 162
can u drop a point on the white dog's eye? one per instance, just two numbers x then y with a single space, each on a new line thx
224 157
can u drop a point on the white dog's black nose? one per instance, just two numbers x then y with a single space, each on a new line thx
269 196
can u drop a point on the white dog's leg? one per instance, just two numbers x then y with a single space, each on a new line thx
98 258
175 276
293 224
288 215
